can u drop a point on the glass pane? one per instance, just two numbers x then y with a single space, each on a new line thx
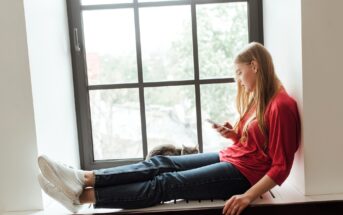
116 126
110 46
217 104
95 2
170 116
222 32
167 51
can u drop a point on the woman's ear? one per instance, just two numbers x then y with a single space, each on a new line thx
254 65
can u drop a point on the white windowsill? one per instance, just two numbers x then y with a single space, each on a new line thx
286 194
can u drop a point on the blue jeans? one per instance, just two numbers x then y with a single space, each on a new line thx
164 178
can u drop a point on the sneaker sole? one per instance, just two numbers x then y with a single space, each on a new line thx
50 174
43 184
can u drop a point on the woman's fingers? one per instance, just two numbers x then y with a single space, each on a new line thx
235 209
226 132
240 210
224 129
228 125
236 204
226 209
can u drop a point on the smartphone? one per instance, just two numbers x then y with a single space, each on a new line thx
212 122
217 124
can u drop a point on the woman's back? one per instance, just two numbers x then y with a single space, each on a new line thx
250 156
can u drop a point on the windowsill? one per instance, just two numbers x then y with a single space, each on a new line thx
286 194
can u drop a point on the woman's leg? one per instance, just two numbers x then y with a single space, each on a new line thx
71 181
89 178
87 196
143 169
214 181
147 170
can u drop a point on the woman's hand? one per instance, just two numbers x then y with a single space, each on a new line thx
226 131
236 204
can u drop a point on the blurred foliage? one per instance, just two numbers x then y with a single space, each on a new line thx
222 30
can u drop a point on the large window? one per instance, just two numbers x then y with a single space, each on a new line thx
148 72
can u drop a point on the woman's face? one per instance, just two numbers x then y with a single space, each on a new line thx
246 75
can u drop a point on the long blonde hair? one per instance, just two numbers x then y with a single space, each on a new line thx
267 85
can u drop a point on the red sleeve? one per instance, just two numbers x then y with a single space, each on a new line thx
284 134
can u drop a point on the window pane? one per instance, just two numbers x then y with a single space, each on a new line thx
95 2
218 104
116 124
167 51
110 46
170 116
222 32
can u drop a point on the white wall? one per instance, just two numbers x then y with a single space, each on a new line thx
19 189
305 40
322 35
38 117
52 81
282 37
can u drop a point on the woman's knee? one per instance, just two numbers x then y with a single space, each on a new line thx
160 160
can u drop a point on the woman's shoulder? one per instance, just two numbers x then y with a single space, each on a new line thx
283 102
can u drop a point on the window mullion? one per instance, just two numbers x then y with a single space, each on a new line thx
196 75
140 79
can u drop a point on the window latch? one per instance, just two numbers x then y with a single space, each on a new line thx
76 41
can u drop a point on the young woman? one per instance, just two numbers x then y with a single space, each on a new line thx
265 138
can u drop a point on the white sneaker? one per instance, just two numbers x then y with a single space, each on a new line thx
69 181
57 194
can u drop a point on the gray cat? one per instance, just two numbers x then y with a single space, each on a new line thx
169 149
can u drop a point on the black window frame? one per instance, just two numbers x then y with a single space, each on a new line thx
81 88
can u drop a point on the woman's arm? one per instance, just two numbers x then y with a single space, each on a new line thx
262 186
237 203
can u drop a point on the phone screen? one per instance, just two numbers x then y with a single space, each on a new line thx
217 124
212 122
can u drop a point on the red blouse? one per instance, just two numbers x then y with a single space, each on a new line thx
283 124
